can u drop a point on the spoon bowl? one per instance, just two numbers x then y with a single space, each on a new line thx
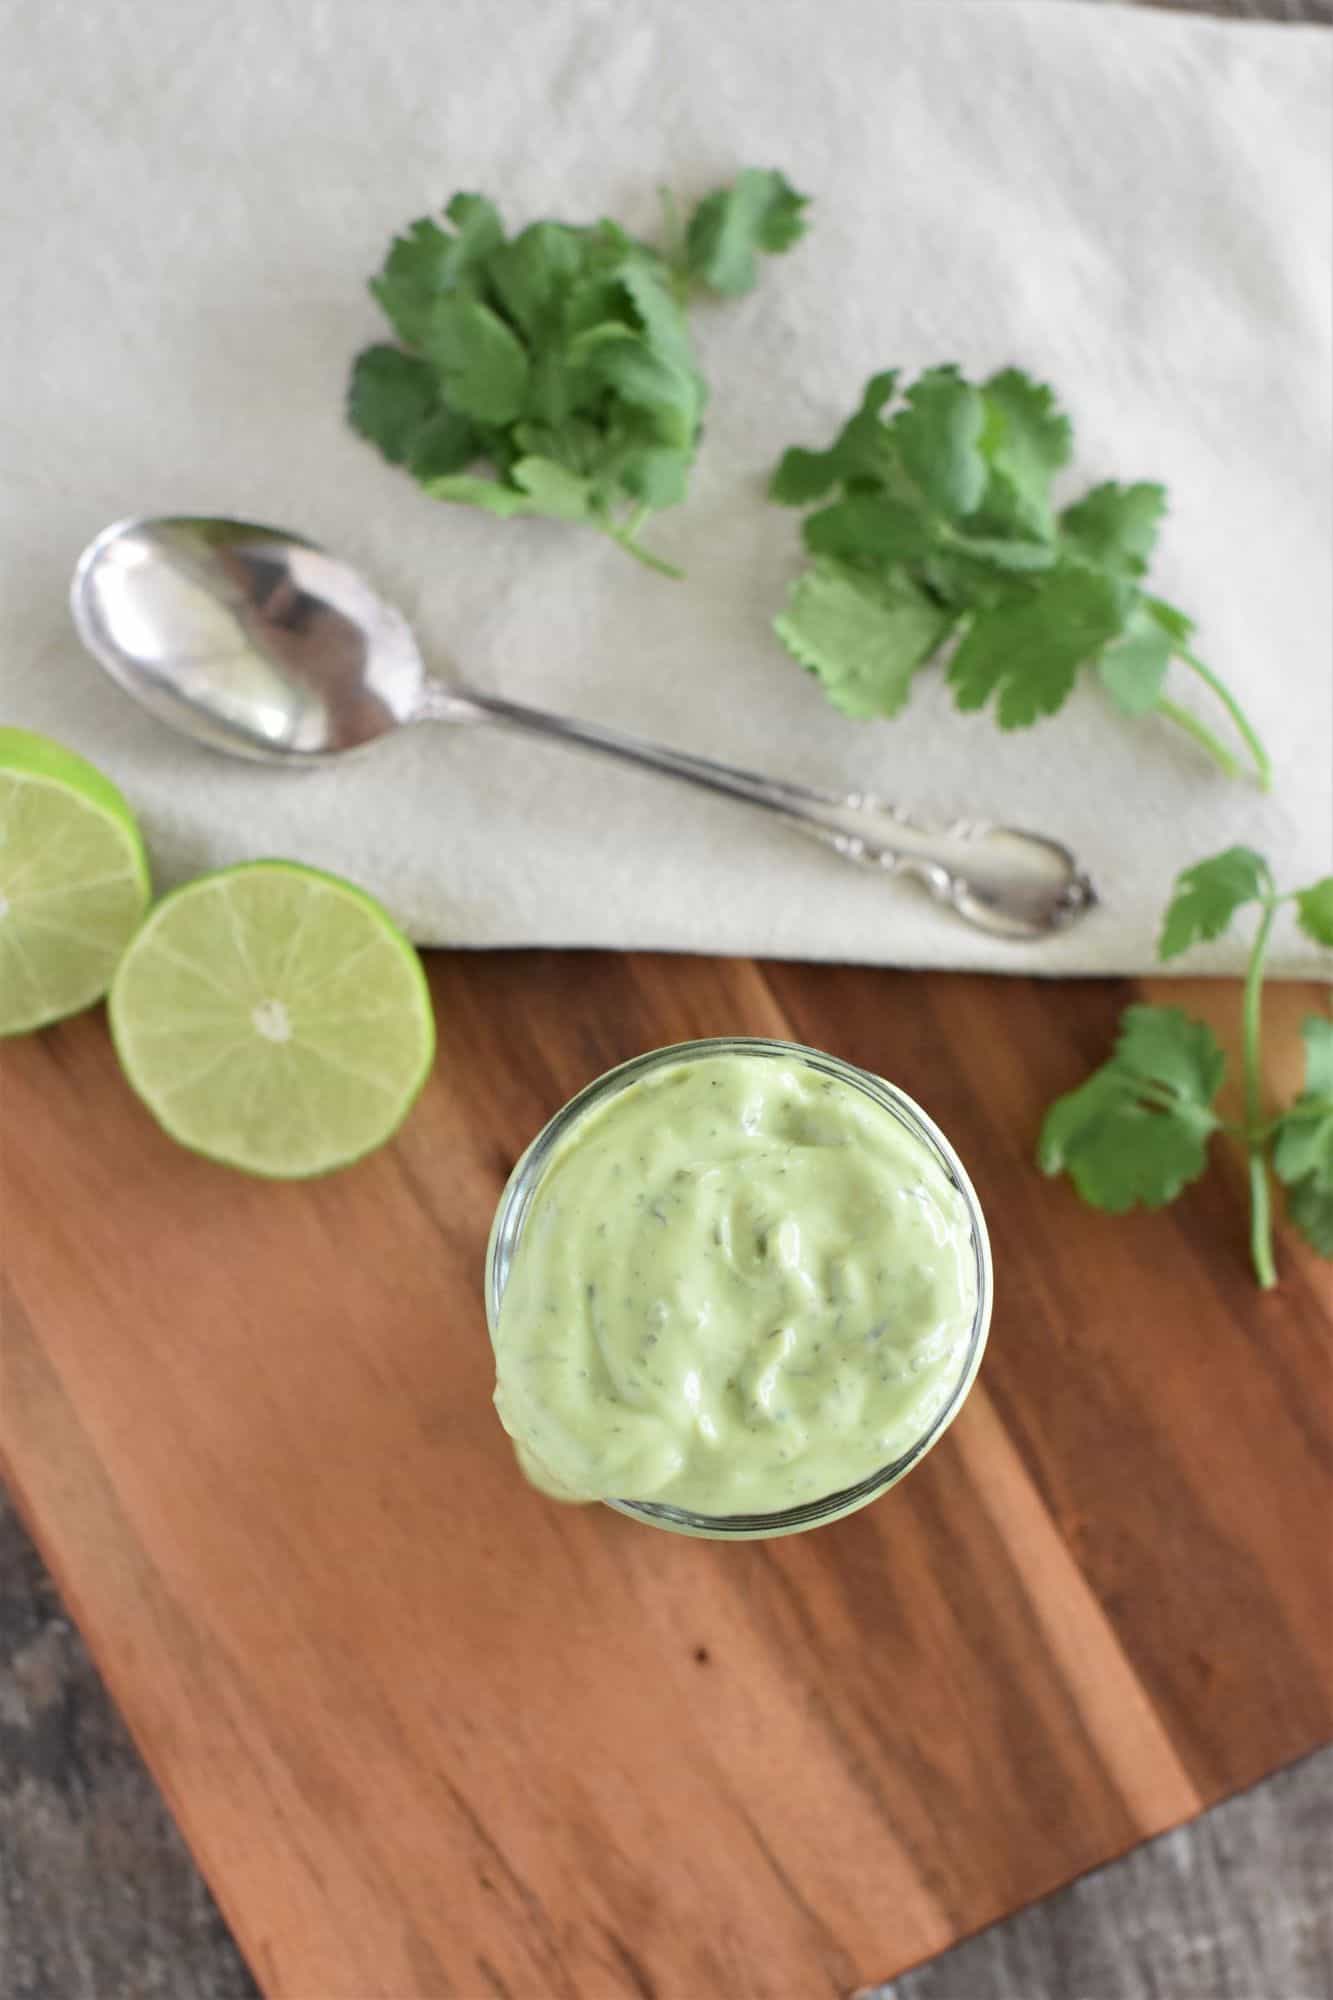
249 639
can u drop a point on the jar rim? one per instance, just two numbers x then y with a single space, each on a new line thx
521 1188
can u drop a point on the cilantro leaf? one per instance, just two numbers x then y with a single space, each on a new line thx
1303 1149
669 395
1027 653
445 443
963 573
415 275
1026 440
867 527
529 275
864 638
951 492
759 211
1314 908
478 231
492 495
1137 1130
1310 1207
803 476
1133 666
1207 897
552 489
1117 1151
1177 625
1018 556
1166 1046
654 474
482 364
1318 1036
655 309
1304 1145
1116 526
428 263
553 373
937 435
390 398
861 451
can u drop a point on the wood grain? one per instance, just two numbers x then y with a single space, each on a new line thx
431 1735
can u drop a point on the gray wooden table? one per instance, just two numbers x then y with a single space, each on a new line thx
99 1899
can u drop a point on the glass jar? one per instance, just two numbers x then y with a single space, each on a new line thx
521 1188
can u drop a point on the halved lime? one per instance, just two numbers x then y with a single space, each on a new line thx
274 1018
73 881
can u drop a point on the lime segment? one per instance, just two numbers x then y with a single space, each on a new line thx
73 881
274 1018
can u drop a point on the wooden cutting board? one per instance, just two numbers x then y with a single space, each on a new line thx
431 1735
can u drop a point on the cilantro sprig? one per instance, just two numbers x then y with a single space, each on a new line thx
559 358
936 523
1138 1130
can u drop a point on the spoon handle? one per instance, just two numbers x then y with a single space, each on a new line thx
1003 880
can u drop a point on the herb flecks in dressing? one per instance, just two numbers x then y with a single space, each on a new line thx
742 1285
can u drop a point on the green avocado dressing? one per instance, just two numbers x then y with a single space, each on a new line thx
742 1285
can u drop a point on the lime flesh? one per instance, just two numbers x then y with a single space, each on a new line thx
73 881
274 1018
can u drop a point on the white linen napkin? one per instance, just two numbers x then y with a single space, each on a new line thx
1133 206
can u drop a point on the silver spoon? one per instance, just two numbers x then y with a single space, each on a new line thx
259 643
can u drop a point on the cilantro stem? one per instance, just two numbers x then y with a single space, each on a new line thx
1263 768
1261 1222
624 538
1201 734
1261 1219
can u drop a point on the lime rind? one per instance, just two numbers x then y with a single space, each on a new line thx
74 881
275 1019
